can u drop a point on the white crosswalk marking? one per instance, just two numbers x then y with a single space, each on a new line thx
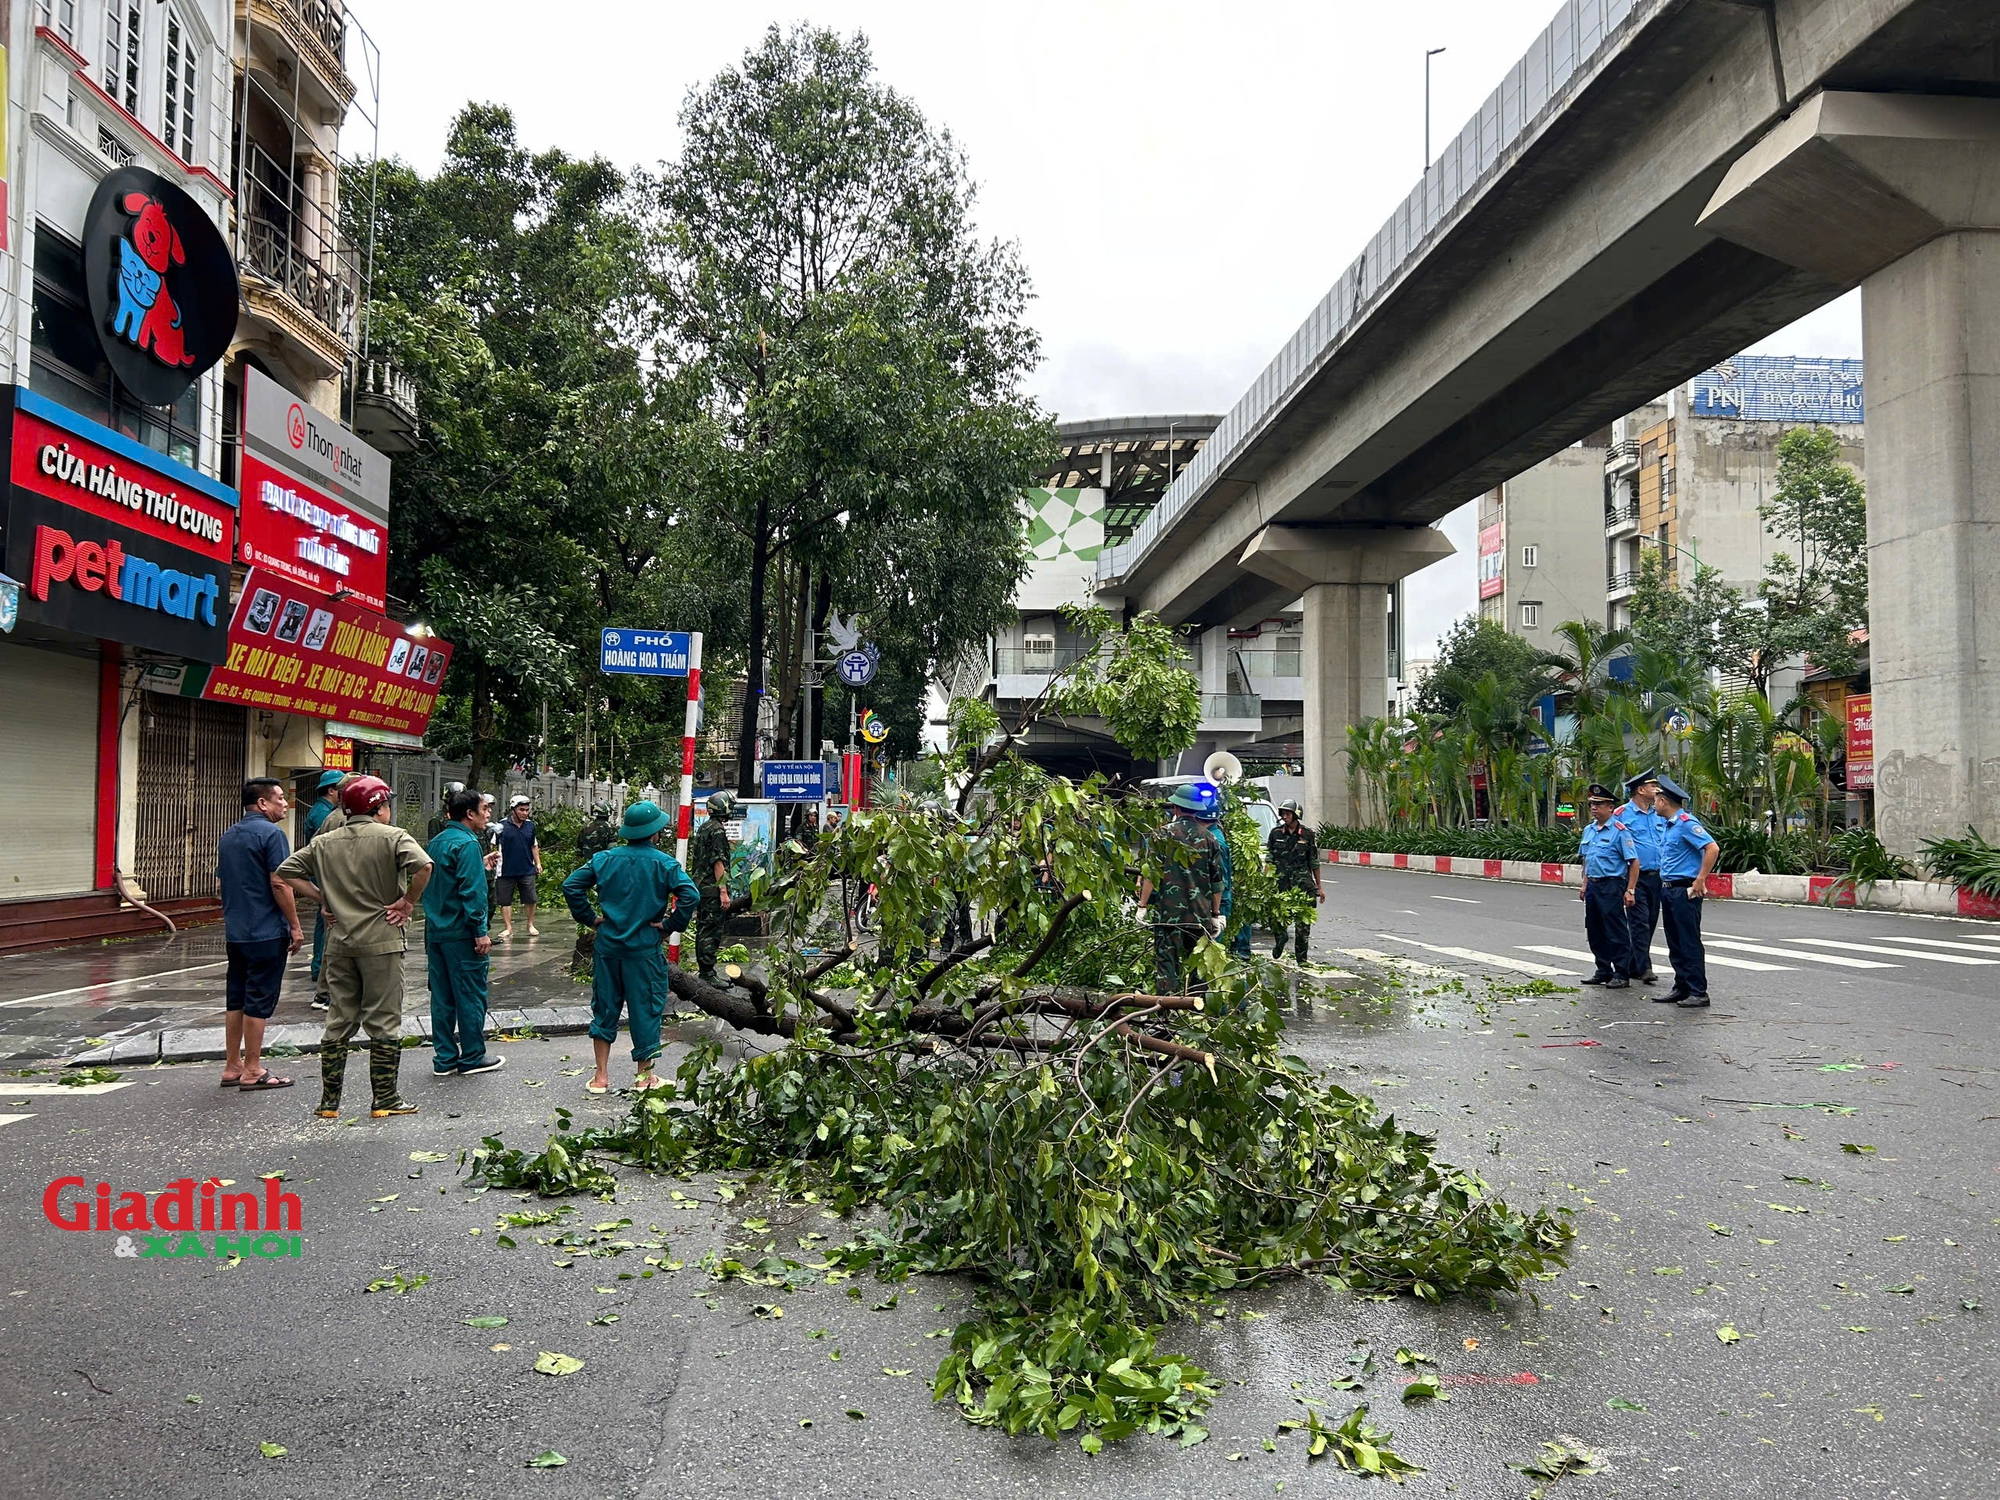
1736 945
12 1119
1721 963
1397 961
1473 955
1897 937
1936 958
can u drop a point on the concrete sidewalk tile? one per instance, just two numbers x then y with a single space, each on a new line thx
541 1017
505 1020
572 1018
306 1037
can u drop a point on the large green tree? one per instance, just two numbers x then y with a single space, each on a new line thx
863 352
512 286
1472 649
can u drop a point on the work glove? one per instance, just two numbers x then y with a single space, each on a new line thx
1214 926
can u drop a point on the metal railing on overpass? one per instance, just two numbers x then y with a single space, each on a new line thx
1584 34
1014 661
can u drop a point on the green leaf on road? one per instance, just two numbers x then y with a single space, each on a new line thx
1619 1403
1853 1150
887 1371
767 1310
1722 1229
550 1363
1411 1357
548 1458
194 1400
604 1321
1424 1388
486 1322
1559 1459
1728 1334
430 1156
857 1414
399 1283
1900 1291
273 1450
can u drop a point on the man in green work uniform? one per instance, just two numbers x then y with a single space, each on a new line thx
644 895
320 821
591 840
456 943
1294 855
367 875
708 862
1186 899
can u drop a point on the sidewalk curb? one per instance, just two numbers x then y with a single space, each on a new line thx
205 1043
1923 897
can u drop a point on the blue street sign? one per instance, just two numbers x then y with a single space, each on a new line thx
795 780
856 668
645 653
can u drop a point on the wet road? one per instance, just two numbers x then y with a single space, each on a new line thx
1702 1152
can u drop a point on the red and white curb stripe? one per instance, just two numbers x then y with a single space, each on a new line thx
1921 896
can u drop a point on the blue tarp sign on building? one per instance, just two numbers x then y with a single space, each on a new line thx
1780 388
645 653
795 780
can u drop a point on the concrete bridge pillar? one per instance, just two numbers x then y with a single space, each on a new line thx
1901 194
1344 576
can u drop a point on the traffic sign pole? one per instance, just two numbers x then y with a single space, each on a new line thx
684 819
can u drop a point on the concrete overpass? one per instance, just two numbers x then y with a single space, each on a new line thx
1655 186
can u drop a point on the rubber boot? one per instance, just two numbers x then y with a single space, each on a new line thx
384 1058
332 1071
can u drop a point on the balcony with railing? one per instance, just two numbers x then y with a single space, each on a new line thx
1017 661
1622 455
316 30
382 402
1621 519
288 241
1231 711
1271 661
1619 584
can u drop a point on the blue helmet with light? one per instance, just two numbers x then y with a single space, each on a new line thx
1198 799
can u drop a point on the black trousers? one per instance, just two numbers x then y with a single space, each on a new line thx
1682 919
1643 916
1604 924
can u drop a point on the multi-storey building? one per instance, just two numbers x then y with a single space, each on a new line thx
1539 559
170 259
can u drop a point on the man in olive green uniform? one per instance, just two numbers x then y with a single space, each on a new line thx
1186 899
456 943
367 875
708 862
1294 855
326 797
329 820
591 840
644 895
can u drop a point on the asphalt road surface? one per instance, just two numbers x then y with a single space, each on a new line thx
1701 1151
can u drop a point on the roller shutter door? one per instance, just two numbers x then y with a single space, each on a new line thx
48 763
191 756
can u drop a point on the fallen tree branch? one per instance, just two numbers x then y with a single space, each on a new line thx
1171 1049
1056 925
951 961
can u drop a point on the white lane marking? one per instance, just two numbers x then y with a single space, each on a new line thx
1936 958
112 984
1737 946
1473 955
1897 937
1722 963
1397 961
11 1119
1461 900
59 1090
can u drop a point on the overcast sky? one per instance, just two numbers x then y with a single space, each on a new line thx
1185 181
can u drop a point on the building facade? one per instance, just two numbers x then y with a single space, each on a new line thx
1540 561
184 603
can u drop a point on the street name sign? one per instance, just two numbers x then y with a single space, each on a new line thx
795 780
645 653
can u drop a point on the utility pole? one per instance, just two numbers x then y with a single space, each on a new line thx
1427 105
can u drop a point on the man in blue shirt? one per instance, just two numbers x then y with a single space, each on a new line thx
520 866
1646 826
260 925
645 894
1610 871
456 943
1688 853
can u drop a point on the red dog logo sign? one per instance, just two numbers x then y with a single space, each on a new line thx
162 284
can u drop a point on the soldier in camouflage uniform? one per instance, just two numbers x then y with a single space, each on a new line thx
591 840
1294 855
708 864
1186 900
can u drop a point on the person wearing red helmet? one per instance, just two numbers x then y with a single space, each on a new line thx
368 875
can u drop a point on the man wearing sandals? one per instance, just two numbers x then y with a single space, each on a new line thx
358 873
645 894
260 924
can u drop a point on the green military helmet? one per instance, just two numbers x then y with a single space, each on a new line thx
721 804
600 809
1198 798
1292 805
